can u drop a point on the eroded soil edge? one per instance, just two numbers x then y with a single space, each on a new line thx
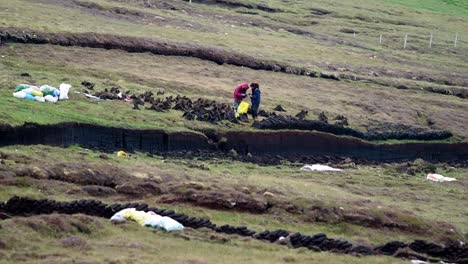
268 143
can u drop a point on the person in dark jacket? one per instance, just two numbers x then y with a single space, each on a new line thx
255 99
239 94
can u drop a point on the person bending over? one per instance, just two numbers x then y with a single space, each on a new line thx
239 94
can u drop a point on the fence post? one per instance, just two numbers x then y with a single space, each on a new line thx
380 39
406 39
456 39
430 42
190 1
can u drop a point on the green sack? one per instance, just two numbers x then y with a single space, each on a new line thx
48 92
21 87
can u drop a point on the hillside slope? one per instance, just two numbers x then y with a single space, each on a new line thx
331 61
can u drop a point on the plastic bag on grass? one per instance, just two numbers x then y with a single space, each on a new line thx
29 97
21 87
318 167
64 88
119 216
39 99
37 93
20 94
137 216
148 219
27 90
417 261
170 224
49 90
156 221
50 98
439 178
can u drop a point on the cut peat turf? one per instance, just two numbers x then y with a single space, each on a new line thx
418 249
283 143
164 47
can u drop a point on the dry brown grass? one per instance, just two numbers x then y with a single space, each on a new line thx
363 105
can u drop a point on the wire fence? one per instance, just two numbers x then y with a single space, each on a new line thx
435 42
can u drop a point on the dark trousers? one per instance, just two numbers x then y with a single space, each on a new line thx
254 110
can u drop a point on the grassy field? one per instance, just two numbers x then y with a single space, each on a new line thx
447 7
55 240
217 26
352 189
369 188
196 78
325 48
313 34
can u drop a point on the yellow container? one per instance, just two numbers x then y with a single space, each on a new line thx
243 108
121 154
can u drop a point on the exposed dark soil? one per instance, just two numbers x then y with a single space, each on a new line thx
235 4
160 47
164 5
230 18
438 89
214 112
199 109
442 79
275 23
217 199
122 13
461 92
114 181
399 132
284 143
99 191
155 46
320 11
419 249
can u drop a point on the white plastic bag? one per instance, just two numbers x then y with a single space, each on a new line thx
50 98
318 167
119 216
49 90
417 261
64 88
27 90
39 99
153 220
150 219
170 224
439 178
92 97
19 94
45 87
164 222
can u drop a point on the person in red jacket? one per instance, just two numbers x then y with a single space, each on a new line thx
239 94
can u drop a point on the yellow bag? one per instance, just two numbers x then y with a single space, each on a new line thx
122 154
137 216
37 93
243 108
